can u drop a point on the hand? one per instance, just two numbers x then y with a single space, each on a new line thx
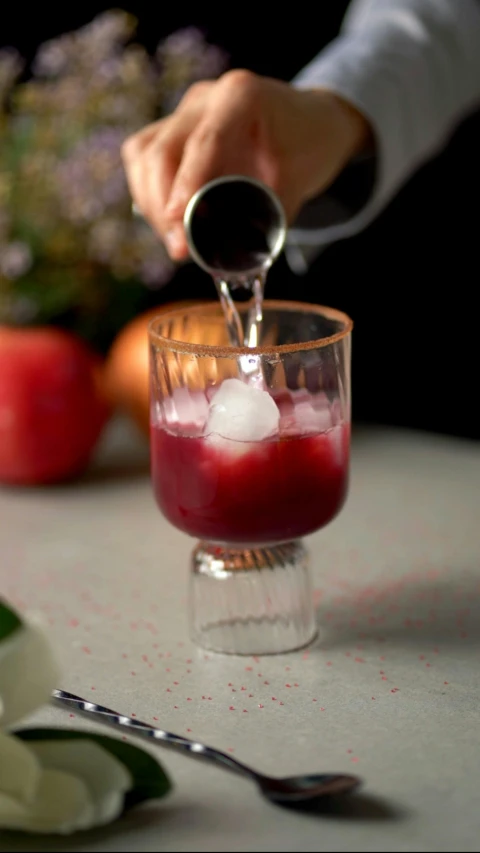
295 141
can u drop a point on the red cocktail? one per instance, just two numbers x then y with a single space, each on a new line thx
249 453
250 493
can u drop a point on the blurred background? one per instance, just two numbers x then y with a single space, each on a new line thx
71 256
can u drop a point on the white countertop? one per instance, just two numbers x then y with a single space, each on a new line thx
390 691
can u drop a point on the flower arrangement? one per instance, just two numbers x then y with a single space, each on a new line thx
59 780
71 253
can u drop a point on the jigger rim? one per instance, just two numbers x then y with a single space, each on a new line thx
189 218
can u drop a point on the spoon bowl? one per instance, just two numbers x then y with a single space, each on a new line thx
306 789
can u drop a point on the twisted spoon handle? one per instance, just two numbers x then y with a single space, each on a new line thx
188 747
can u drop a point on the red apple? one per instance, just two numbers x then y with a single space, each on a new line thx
52 411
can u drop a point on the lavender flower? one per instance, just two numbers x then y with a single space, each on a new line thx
185 58
105 239
53 57
188 46
91 179
108 30
62 180
87 48
11 66
15 259
152 263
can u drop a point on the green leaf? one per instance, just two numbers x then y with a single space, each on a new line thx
9 621
150 781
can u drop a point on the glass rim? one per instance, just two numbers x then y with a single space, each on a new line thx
217 351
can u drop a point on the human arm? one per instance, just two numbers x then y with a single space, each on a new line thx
412 69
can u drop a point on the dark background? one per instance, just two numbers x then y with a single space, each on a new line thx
409 281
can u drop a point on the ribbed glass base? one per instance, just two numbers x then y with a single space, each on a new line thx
251 601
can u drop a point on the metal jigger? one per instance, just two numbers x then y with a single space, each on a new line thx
235 228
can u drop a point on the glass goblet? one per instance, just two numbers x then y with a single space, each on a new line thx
249 454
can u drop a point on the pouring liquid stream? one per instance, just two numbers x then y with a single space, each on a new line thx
250 367
236 228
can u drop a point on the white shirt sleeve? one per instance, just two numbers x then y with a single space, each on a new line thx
412 67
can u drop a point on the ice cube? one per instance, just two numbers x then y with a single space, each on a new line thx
301 413
241 412
310 420
186 410
320 401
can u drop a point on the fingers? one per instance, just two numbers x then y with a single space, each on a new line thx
295 141
216 130
222 142
151 159
158 169
132 155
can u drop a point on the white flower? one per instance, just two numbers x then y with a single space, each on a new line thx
50 786
51 780
28 673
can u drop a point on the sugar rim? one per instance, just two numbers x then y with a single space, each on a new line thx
216 351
